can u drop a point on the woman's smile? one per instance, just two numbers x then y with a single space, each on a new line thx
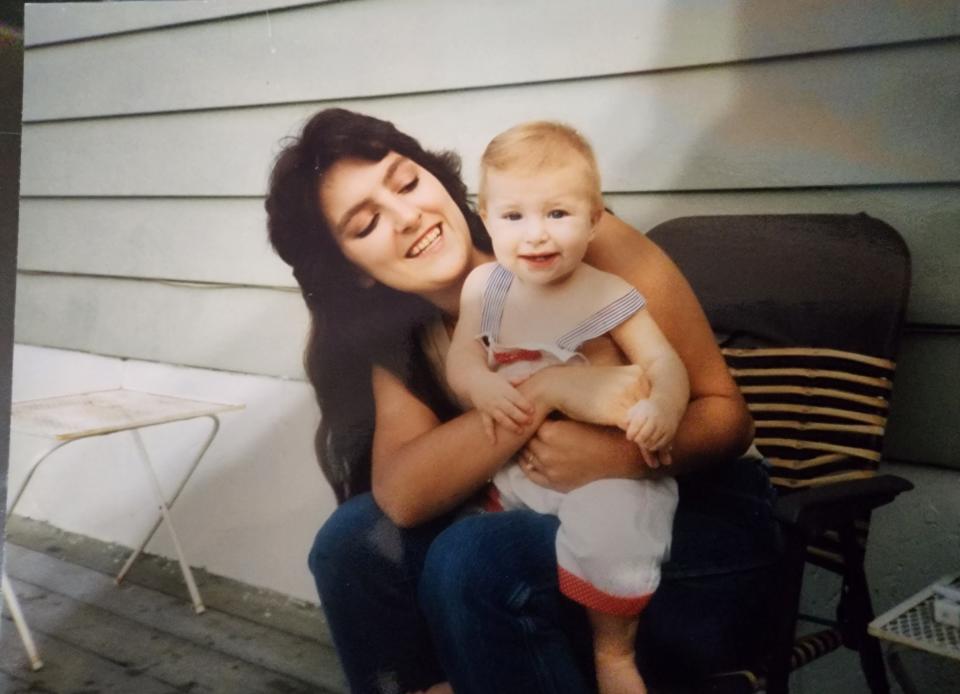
431 240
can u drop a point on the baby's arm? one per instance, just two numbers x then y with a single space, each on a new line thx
469 376
652 422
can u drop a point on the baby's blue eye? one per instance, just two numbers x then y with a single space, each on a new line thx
512 216
557 214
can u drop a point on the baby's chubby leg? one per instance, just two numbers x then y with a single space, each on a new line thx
613 537
613 652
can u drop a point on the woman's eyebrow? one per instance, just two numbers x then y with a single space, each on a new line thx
388 174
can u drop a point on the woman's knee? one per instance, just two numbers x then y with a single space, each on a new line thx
336 536
360 548
357 543
489 561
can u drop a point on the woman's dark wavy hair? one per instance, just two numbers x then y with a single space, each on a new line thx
352 327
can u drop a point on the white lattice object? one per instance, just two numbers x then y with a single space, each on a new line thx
912 623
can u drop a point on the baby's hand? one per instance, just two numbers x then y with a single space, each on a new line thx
499 403
650 426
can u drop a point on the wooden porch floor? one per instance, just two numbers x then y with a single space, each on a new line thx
143 636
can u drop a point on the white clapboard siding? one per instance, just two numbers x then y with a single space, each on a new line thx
376 47
67 21
885 116
923 420
195 239
264 331
224 240
256 331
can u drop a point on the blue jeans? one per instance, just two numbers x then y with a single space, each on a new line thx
475 600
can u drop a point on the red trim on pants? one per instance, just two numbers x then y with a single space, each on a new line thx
592 597
491 500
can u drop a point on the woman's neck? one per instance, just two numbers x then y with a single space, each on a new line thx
448 300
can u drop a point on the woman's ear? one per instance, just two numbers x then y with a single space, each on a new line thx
595 222
365 281
595 217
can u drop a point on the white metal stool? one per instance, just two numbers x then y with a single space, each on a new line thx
73 417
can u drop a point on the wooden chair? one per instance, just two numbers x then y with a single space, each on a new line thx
808 312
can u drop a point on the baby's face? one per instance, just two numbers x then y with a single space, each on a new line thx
540 225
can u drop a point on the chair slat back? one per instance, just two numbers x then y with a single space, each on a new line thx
820 415
808 311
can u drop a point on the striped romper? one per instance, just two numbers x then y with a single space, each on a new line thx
614 533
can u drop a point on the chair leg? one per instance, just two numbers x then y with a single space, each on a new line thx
856 612
784 619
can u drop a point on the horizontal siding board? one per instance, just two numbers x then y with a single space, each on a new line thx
263 332
201 240
923 419
68 21
257 331
376 47
858 118
224 240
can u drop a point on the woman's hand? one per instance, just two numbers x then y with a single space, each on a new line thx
593 394
564 455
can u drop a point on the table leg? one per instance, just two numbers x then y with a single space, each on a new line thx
165 516
15 499
13 604
153 530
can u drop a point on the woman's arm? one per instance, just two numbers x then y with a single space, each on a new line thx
423 468
716 425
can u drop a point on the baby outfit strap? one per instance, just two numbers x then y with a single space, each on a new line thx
603 321
494 298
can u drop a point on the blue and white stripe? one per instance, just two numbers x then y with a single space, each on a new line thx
603 321
494 299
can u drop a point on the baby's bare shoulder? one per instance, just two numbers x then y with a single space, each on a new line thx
606 285
478 277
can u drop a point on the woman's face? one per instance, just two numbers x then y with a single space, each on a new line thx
395 221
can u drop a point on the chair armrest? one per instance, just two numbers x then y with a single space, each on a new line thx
814 510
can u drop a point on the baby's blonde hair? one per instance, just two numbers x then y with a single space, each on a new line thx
530 148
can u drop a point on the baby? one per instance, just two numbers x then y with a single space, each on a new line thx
540 200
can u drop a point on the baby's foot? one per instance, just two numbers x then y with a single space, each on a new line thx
618 674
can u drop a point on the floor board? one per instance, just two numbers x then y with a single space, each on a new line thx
97 637
14 685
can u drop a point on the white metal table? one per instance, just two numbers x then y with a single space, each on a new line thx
911 624
69 418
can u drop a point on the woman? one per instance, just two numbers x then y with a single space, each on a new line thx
381 237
